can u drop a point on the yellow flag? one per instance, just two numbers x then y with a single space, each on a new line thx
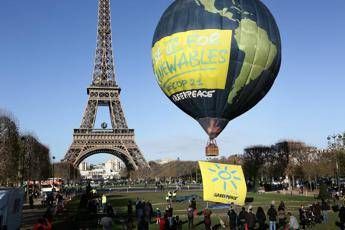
223 183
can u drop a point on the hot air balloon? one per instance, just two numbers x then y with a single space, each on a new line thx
216 59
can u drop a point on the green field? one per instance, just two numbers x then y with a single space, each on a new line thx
79 218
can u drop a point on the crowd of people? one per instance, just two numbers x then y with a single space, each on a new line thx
54 205
141 214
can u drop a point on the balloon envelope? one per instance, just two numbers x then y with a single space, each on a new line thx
216 59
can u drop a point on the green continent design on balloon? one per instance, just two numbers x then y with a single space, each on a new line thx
256 60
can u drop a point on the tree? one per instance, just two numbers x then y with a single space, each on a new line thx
253 159
36 159
9 149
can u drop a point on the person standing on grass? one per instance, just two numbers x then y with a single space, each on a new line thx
190 215
251 219
324 210
163 222
261 218
281 217
341 216
272 217
302 217
170 212
129 208
207 218
242 220
31 201
158 215
232 218
104 202
292 220
193 204
281 205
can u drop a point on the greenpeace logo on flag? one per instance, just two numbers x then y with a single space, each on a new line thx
229 197
223 183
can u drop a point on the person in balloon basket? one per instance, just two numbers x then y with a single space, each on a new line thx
272 217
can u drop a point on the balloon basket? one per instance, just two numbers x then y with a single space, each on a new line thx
212 149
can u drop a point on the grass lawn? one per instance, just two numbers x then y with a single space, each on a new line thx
75 218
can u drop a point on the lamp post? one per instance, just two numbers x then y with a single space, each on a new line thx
336 142
53 173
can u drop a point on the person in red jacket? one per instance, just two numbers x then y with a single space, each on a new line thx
42 224
163 222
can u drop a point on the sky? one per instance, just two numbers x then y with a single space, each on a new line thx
46 61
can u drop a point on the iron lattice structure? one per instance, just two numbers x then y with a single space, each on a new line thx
119 140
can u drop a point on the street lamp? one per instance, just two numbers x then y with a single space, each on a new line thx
336 142
53 173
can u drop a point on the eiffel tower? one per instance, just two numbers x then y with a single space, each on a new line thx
103 91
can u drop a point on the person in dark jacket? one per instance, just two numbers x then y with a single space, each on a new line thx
232 218
129 208
302 217
281 205
242 221
261 218
250 218
281 217
272 217
341 216
324 209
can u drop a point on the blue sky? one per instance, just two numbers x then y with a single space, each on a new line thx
46 61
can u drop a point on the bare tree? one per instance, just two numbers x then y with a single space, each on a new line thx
9 149
36 159
254 159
